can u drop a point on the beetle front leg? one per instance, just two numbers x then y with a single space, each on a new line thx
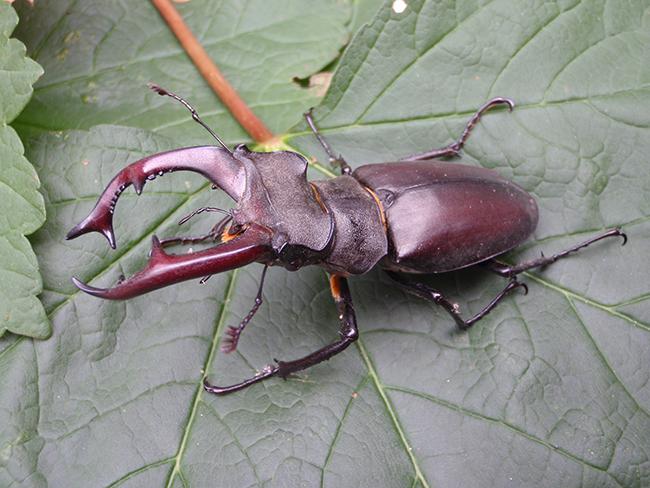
334 160
231 338
348 333
454 148
185 240
215 233
423 291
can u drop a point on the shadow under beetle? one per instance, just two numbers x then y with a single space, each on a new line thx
414 216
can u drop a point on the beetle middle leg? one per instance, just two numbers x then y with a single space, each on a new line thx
454 148
424 291
348 333
333 159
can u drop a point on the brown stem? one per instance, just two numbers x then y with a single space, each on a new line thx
224 90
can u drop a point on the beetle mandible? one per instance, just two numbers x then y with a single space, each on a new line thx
418 215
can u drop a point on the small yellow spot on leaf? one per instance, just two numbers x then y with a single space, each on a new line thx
88 98
71 37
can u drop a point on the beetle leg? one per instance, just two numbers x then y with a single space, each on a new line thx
333 159
512 271
423 291
348 333
231 338
454 149
214 234
184 241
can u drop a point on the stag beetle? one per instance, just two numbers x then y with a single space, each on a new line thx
415 216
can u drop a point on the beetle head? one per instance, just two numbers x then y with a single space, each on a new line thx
278 218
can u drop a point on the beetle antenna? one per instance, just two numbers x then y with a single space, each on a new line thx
162 92
201 210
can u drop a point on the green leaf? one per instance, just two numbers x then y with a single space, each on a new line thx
99 59
21 206
550 389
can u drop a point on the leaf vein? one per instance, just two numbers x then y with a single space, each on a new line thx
337 433
141 469
392 413
485 418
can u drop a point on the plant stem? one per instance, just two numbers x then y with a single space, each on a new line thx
224 90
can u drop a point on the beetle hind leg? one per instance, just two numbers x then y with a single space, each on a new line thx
423 291
512 271
348 333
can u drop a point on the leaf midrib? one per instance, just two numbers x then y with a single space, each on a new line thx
200 391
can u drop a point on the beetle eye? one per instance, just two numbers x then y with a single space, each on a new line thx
234 229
